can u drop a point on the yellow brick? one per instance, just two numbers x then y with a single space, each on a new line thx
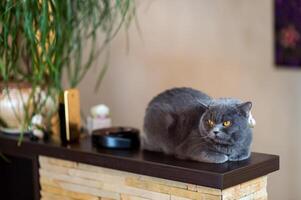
163 183
56 161
58 178
48 181
55 168
208 190
147 185
177 198
65 193
50 196
130 197
43 160
110 178
122 189
193 195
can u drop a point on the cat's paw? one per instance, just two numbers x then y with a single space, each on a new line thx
220 159
211 157
238 157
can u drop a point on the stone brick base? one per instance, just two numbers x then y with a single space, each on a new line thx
66 180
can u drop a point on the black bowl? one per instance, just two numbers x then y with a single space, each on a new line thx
116 138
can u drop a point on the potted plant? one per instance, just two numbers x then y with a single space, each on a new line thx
40 40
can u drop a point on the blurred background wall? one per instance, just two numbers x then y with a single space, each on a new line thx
224 48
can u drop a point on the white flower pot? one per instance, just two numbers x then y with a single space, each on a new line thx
13 101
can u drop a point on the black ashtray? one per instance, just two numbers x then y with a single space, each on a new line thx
116 138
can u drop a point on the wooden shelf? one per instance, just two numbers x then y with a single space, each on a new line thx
219 176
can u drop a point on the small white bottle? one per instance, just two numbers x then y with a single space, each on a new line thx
100 118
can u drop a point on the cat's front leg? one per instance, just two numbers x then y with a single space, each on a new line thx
210 157
240 155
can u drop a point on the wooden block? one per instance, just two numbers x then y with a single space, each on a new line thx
50 196
92 191
43 160
110 178
172 197
66 193
147 185
208 190
58 178
193 195
55 168
56 161
123 189
48 181
169 183
130 197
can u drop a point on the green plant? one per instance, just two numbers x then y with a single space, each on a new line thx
42 39
4 158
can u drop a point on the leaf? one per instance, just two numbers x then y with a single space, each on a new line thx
4 158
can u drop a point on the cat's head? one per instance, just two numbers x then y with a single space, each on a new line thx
226 123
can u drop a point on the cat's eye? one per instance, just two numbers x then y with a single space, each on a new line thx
210 122
226 123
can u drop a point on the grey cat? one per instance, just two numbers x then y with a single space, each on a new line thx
189 124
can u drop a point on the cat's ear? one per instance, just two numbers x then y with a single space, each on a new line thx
245 107
204 106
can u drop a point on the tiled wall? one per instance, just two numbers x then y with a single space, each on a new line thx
61 179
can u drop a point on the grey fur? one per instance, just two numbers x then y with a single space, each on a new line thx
176 123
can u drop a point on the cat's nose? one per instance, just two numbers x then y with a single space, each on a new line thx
215 132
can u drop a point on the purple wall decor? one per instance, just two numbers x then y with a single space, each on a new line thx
287 33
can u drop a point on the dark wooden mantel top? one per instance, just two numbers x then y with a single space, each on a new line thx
219 176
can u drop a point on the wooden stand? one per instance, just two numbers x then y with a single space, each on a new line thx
79 171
